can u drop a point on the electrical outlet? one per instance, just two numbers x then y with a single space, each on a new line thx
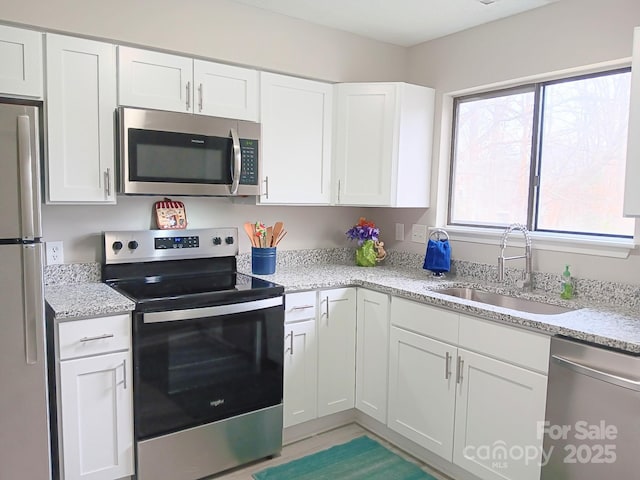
400 231
419 233
55 253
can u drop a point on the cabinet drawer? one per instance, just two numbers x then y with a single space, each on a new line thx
512 344
93 336
424 319
299 306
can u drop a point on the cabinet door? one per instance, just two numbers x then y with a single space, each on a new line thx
296 118
20 62
300 372
422 390
225 90
498 408
97 417
336 350
81 100
632 175
365 134
372 353
155 80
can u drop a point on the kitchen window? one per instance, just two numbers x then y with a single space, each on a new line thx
549 155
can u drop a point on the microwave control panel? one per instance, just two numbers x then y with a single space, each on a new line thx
249 152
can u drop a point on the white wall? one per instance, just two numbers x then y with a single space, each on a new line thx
224 31
561 36
221 30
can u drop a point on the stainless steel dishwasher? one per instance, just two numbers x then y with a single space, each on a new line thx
592 428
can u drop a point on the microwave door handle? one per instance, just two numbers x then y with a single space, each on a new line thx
237 162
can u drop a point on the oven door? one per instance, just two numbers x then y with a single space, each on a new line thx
202 365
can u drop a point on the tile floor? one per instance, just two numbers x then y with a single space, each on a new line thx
315 444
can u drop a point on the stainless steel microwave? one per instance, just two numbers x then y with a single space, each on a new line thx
169 153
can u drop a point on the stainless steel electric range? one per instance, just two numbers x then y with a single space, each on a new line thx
207 351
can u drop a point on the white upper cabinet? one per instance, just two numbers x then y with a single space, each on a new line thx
81 101
162 81
296 118
154 80
20 62
383 142
225 91
632 176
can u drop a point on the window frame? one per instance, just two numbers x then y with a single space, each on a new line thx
537 88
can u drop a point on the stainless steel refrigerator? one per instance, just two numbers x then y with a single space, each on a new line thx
24 420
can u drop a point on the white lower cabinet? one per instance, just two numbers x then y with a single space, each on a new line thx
336 350
372 353
94 397
96 416
422 390
319 354
497 413
300 359
469 390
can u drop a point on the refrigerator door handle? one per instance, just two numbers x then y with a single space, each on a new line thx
33 300
29 200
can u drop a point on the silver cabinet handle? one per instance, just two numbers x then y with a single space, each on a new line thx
237 162
200 97
107 182
302 307
327 310
33 300
266 186
447 366
338 191
97 337
26 177
188 96
124 374
459 370
597 374
290 349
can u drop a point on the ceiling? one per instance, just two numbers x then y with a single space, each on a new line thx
400 22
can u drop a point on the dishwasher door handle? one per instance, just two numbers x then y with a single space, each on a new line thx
597 374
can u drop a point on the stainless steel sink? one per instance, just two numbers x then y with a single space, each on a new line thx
505 301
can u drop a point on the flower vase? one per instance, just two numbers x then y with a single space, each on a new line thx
366 254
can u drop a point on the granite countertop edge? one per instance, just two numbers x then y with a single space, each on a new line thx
603 325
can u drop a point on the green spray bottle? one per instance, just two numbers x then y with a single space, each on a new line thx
566 291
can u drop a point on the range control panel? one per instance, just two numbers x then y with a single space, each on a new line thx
157 245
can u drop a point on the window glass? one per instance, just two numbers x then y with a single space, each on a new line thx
583 155
549 155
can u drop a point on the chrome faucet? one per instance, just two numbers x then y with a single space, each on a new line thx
525 283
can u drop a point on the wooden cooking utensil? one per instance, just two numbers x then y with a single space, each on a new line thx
269 236
277 229
248 228
282 234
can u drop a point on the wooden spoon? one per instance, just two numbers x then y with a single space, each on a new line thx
248 228
269 236
282 234
277 229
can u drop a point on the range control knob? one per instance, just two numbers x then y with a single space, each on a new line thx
217 241
117 245
228 240
132 244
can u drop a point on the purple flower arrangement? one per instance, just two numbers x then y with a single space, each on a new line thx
363 231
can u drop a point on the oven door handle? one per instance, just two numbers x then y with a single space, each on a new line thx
217 311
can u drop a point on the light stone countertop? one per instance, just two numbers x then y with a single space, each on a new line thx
599 323
82 300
